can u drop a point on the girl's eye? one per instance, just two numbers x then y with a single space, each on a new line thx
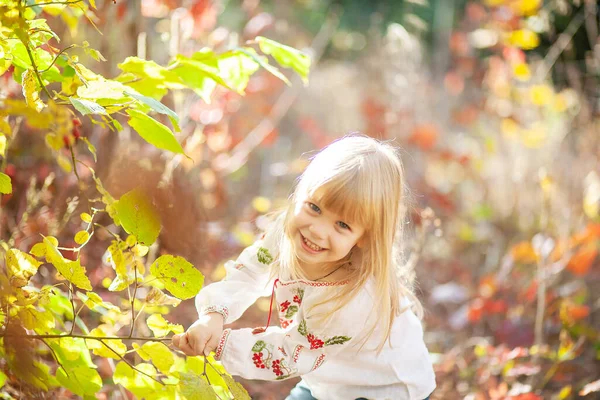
314 207
343 225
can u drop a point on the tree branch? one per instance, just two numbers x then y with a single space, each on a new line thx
39 337
128 363
66 3
56 58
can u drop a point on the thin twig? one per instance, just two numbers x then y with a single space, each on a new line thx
559 46
130 364
36 71
74 163
143 339
133 316
56 58
55 357
73 306
54 2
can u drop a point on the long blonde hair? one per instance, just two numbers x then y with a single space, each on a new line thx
362 181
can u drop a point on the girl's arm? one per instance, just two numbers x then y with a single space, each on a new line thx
278 353
247 279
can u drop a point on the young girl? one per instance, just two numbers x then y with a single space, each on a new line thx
347 312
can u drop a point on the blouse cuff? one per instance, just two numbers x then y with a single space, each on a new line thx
224 311
221 345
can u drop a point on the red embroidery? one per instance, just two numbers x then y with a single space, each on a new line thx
315 342
258 361
297 352
319 362
222 341
238 266
285 323
316 284
224 311
284 306
277 367
297 299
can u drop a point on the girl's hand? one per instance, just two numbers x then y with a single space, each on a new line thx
202 336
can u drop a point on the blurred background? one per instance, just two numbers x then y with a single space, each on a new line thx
495 106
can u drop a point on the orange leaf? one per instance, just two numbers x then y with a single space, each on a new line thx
425 136
581 263
570 312
524 253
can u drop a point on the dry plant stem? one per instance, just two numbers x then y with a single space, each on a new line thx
133 316
559 46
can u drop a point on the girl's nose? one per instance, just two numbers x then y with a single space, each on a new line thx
318 232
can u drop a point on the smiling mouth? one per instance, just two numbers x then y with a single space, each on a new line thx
310 244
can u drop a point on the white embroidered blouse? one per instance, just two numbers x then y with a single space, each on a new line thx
327 356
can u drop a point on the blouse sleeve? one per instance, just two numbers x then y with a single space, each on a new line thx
247 279
300 348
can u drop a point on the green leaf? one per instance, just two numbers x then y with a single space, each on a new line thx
336 340
160 355
5 184
81 237
81 380
258 346
137 383
86 107
236 388
34 319
286 56
90 147
263 62
21 267
178 275
138 216
93 300
236 68
264 256
161 327
72 271
150 73
302 328
102 89
153 131
291 311
2 379
154 104
194 387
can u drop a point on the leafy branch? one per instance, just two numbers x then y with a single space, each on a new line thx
65 3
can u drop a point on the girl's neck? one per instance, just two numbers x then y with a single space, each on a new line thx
325 272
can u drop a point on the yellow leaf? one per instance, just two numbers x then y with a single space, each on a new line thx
565 392
5 127
81 237
526 7
2 145
117 347
524 253
21 267
85 217
525 39
534 137
509 127
64 163
261 204
541 95
160 354
161 327
30 91
521 71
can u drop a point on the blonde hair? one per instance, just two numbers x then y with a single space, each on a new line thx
361 180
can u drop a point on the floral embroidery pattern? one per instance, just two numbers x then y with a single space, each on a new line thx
264 256
320 360
285 322
264 358
317 343
297 352
291 309
222 341
224 311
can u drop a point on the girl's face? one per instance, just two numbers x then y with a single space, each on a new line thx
319 235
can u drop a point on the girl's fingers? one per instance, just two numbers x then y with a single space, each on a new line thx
175 340
211 345
186 347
